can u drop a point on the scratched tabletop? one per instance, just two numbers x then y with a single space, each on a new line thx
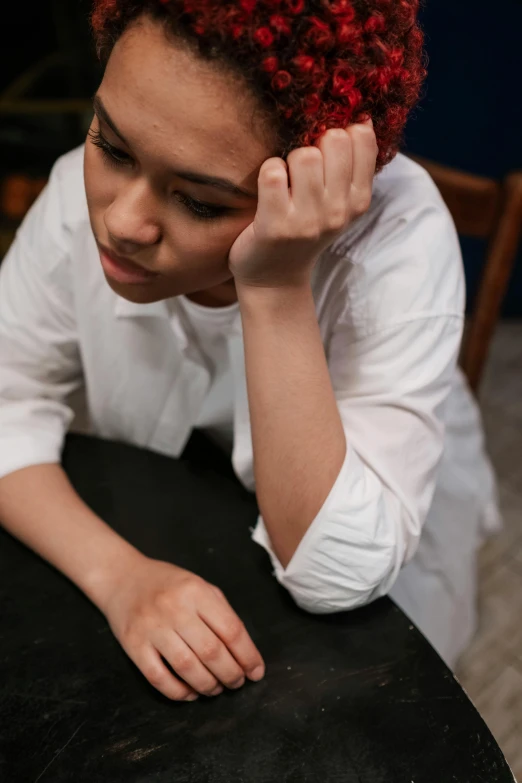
358 697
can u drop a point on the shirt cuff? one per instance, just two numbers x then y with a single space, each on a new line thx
23 451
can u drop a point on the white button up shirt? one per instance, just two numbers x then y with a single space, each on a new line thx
389 297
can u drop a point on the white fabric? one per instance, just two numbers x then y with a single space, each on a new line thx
209 328
389 297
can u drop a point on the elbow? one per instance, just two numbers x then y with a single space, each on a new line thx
344 587
353 551
336 575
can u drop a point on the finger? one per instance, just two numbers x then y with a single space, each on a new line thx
212 653
186 663
306 177
221 618
149 662
273 196
364 145
336 146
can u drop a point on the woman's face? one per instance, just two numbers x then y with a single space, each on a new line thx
165 121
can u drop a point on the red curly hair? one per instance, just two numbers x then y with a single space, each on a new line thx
312 64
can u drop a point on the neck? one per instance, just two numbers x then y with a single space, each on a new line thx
218 296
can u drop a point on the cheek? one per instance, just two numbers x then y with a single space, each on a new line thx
206 247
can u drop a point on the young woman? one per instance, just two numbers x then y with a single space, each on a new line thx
215 258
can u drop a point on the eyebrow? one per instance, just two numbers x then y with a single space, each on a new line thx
191 176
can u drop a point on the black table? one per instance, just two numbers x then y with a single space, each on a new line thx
357 697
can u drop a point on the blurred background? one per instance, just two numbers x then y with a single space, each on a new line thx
48 73
469 122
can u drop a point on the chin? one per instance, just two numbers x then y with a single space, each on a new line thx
139 294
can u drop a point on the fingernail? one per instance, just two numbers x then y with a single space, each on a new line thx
238 683
216 691
257 674
191 697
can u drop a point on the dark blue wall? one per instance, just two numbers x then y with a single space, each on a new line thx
471 113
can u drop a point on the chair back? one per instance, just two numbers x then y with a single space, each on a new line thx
492 210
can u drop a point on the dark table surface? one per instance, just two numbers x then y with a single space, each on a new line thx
358 697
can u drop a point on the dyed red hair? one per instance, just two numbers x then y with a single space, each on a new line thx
313 64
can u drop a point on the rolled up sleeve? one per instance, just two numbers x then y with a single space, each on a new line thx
391 381
341 563
39 356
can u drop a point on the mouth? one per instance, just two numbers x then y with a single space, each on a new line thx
122 270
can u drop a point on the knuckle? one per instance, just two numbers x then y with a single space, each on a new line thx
305 155
336 219
235 680
272 171
337 134
163 601
207 682
273 178
140 614
272 164
362 130
130 638
154 675
363 202
211 650
175 690
234 631
311 155
190 590
183 661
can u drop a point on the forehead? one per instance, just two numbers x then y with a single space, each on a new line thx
161 96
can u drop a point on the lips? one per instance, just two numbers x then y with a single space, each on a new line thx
122 270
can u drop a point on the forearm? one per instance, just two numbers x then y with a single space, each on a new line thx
298 437
39 506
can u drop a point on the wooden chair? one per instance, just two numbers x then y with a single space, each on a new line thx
491 210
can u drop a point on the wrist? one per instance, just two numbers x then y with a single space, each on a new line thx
103 580
275 301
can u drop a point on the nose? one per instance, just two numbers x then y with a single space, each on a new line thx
131 220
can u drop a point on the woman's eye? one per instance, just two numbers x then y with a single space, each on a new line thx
116 157
200 210
111 154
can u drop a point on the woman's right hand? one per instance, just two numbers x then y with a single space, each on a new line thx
159 610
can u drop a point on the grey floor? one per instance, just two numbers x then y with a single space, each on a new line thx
491 670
